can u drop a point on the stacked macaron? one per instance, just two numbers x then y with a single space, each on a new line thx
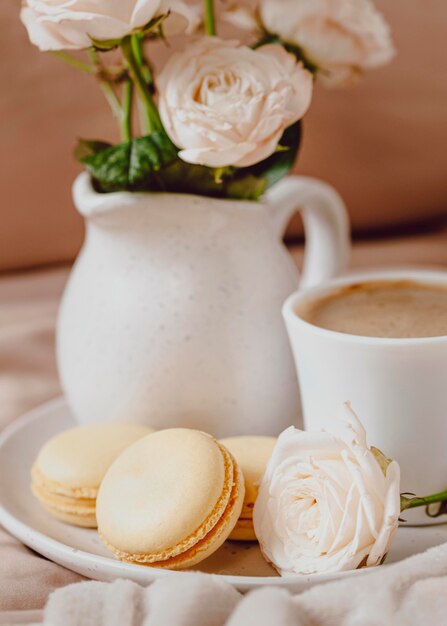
252 455
162 499
170 500
70 467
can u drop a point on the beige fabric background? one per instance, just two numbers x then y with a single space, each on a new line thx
383 143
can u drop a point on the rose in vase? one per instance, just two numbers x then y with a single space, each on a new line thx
75 25
339 38
228 105
238 132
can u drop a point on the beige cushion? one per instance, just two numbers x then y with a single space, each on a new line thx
383 143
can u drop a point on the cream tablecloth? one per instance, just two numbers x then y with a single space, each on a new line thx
28 306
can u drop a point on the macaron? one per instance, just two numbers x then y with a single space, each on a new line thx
69 468
170 499
252 455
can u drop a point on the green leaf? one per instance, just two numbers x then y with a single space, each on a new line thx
88 147
151 163
181 177
155 24
280 162
266 39
301 56
297 51
104 45
110 167
248 187
132 165
247 183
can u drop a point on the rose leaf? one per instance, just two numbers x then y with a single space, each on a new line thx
181 177
280 162
132 165
88 147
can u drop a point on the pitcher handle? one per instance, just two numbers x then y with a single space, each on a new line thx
326 225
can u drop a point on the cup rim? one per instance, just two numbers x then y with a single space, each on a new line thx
431 276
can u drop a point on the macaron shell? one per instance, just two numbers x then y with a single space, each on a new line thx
64 503
164 494
216 538
66 475
252 453
74 462
74 519
210 542
77 511
243 531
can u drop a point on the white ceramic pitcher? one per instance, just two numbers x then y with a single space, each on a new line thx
172 313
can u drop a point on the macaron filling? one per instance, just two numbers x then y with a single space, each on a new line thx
69 505
43 484
65 503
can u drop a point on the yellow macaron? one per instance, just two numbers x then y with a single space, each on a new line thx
252 455
170 500
69 468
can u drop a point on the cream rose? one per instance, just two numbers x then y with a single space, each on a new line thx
241 16
226 104
70 24
325 504
341 37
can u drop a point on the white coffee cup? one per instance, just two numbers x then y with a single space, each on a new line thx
398 387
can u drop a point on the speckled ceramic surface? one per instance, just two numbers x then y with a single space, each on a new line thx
81 550
172 313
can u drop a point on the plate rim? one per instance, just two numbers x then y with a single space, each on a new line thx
35 539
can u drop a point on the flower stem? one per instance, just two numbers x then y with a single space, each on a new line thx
152 116
106 87
126 115
416 501
111 98
79 65
210 23
138 52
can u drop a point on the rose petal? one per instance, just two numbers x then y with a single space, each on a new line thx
341 37
58 24
322 506
225 104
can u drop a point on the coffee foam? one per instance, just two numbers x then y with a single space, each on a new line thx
386 308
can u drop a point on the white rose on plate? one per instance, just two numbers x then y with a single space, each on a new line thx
226 104
325 503
70 24
343 38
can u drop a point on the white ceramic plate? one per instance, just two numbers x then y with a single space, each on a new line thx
81 550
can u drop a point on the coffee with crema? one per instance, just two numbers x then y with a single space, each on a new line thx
391 309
